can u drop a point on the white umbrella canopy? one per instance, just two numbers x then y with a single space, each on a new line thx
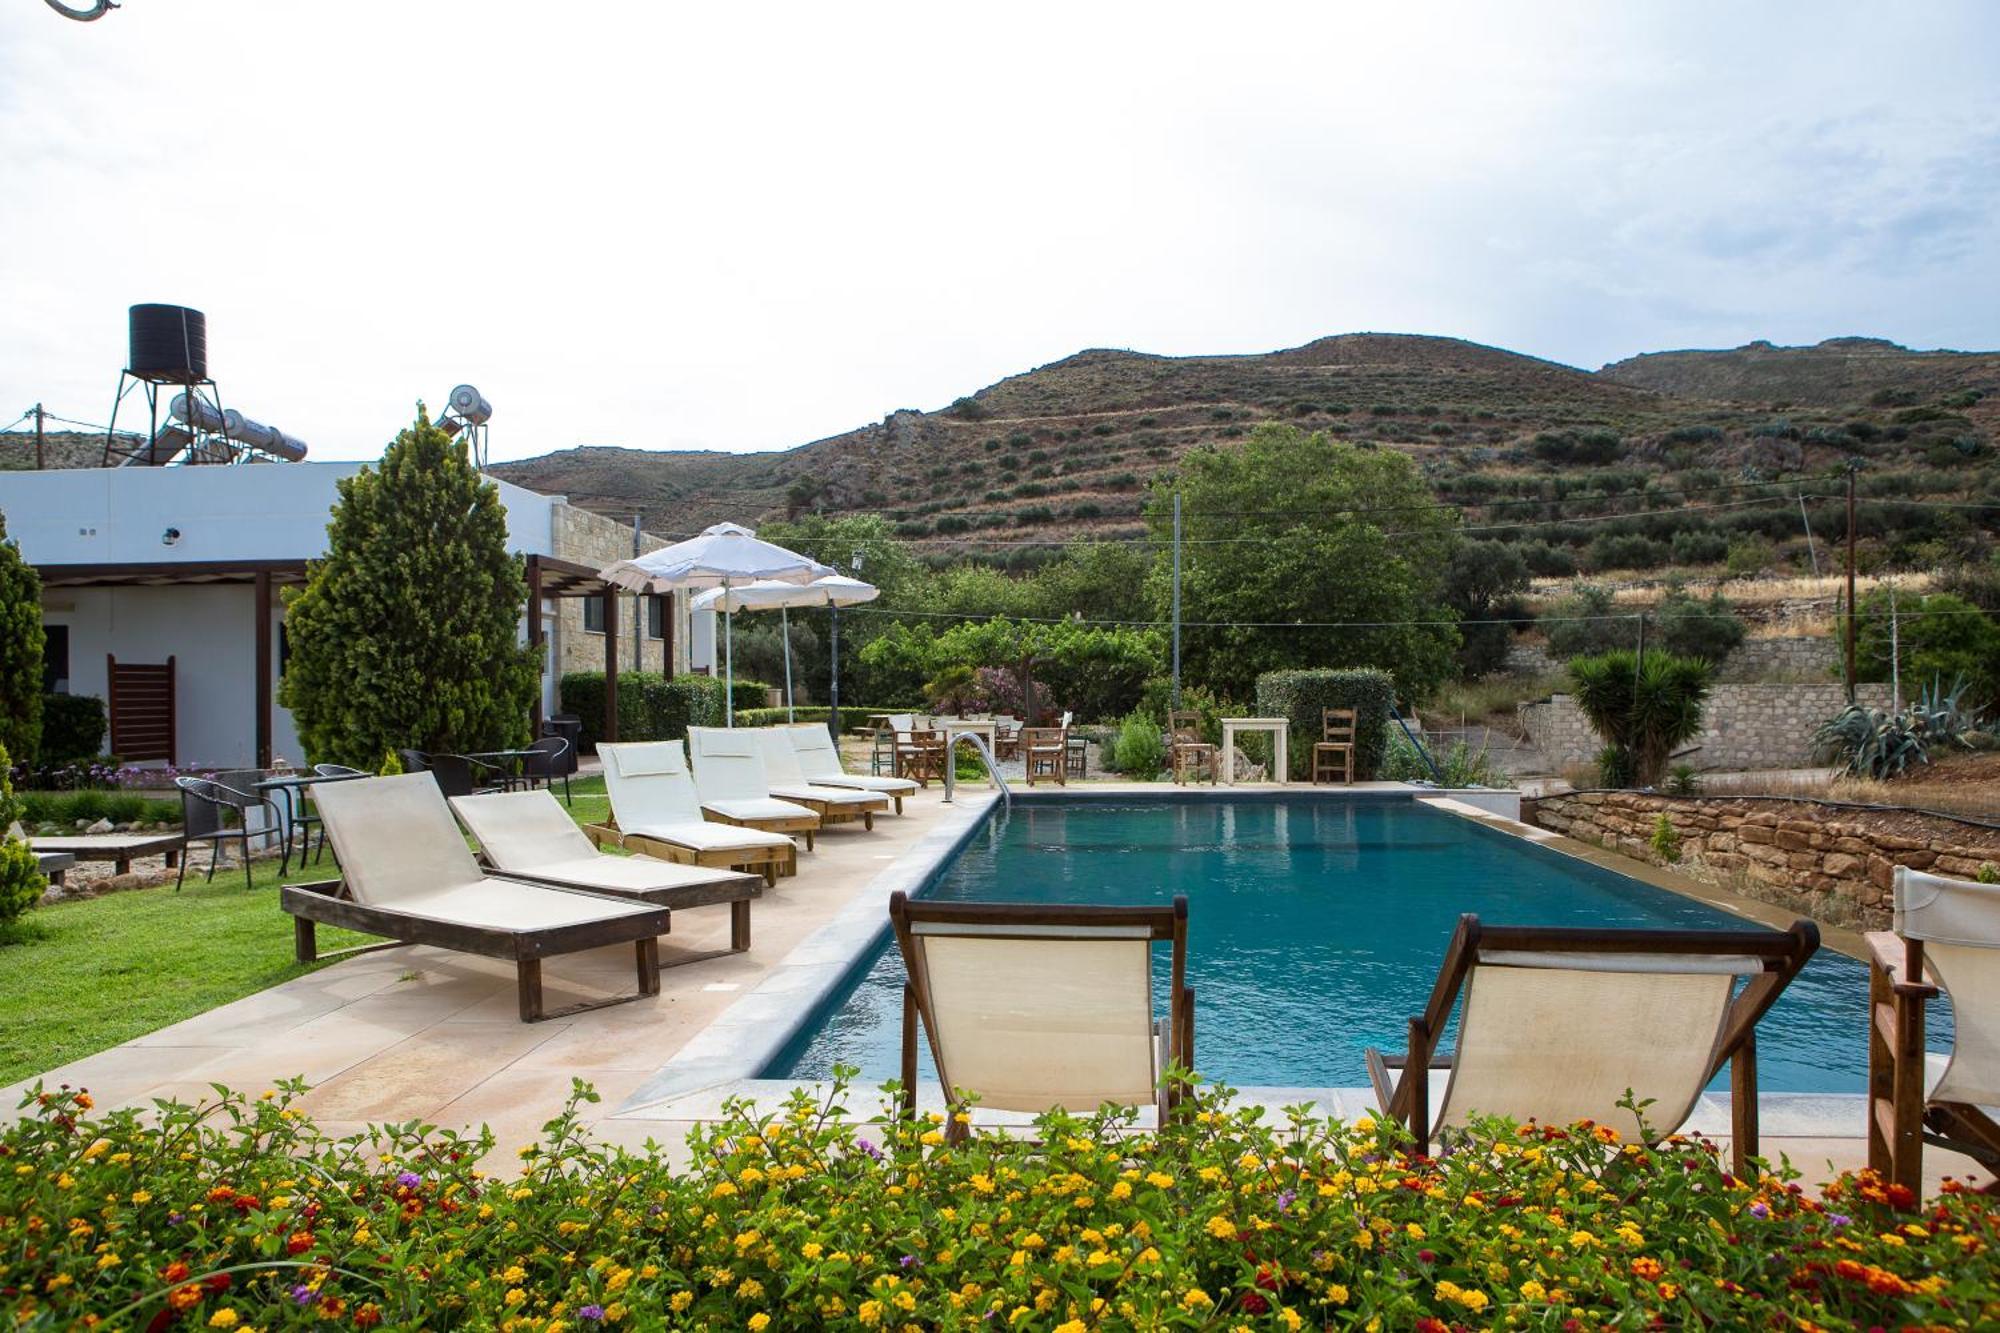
724 556
834 590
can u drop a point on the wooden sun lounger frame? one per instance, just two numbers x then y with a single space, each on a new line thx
1901 1119
1174 1033
326 901
836 811
770 862
739 890
1783 954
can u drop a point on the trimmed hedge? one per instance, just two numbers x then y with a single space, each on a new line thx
651 707
73 727
240 1213
1302 696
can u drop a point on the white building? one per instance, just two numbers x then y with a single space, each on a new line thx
150 566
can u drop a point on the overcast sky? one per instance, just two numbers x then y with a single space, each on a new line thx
746 227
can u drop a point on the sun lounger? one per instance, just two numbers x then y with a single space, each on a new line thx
656 811
1559 1024
833 805
407 874
1946 937
1032 1007
819 760
528 835
729 776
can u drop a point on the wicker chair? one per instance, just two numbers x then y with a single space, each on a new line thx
215 812
1334 752
1187 751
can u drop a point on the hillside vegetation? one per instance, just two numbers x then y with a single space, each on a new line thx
1067 449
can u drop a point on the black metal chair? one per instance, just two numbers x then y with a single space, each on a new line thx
340 771
462 775
414 761
206 810
550 758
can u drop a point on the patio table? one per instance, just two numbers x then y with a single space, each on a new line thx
982 727
1281 754
119 848
291 787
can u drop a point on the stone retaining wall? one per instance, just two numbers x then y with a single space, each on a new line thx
1823 860
1742 726
1796 657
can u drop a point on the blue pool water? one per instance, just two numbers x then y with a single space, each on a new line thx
1316 928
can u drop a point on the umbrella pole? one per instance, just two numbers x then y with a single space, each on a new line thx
834 694
728 666
785 623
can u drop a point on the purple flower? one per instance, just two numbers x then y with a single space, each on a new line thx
409 1180
1839 1220
1285 1200
1760 1211
869 1148
302 1295
907 1260
594 1313
174 1219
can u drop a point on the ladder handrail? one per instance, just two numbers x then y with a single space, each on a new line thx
986 756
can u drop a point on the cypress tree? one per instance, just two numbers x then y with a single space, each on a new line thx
21 643
407 633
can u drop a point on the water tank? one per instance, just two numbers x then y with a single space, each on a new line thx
285 446
168 343
465 401
198 412
245 431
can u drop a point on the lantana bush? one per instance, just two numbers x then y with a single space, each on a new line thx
238 1213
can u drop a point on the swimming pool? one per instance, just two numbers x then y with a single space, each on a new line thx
1316 928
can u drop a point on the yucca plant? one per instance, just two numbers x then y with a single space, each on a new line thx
1643 710
1876 743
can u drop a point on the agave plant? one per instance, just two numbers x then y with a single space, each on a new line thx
1875 743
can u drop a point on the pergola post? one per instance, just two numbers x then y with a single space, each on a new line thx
535 643
261 598
610 595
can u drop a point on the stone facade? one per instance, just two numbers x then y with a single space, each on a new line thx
1828 861
1742 726
1799 657
592 539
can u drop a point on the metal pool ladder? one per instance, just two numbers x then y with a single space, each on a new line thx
985 757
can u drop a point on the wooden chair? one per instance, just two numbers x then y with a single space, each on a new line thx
1559 1024
1186 750
1076 752
1045 754
1946 937
1334 751
1032 1007
921 755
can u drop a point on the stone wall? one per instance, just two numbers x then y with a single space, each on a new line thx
592 539
1742 726
1799 657
1830 862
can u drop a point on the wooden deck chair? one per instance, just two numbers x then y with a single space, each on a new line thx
528 835
1045 754
407 874
1333 752
1032 1007
833 805
1188 753
655 811
921 753
819 760
735 788
1559 1023
1946 937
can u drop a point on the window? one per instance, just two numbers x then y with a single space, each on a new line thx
656 617
55 659
593 614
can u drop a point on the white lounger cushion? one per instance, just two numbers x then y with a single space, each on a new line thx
819 761
653 795
1959 922
789 782
708 836
400 849
528 833
757 807
730 776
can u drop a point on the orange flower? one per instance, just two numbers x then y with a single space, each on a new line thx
1649 1269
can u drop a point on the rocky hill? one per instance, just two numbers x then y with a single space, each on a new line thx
1068 448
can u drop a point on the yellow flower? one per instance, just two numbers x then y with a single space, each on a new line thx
514 1296
1221 1228
1072 1326
759 1322
1195 1298
750 1289
680 1301
514 1273
870 1313
812 1249
1415 1232
1364 1126
1290 1318
1532 1290
1159 1180
223 1318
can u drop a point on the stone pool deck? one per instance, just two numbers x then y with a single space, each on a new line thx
422 1034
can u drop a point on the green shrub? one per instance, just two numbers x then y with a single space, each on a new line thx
1139 752
1588 622
1644 711
1303 695
1748 556
1461 765
650 707
1697 547
22 882
392 764
22 640
1683 780
1940 636
1690 626
73 727
807 1216
1626 551
1666 842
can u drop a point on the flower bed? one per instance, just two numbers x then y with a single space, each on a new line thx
240 1214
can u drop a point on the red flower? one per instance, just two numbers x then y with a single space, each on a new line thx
1255 1304
174 1271
368 1316
1430 1325
298 1242
219 1282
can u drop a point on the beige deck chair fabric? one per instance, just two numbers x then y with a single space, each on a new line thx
1959 924
528 833
819 760
1560 1037
789 781
730 777
653 794
400 849
1036 1023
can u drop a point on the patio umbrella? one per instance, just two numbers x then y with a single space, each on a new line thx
724 556
833 591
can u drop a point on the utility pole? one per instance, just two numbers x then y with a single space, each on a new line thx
41 443
1851 609
1177 599
1811 550
1895 656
